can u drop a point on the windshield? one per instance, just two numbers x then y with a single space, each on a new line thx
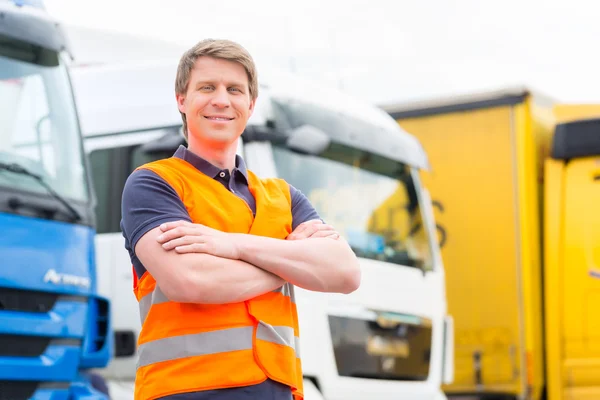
38 125
371 201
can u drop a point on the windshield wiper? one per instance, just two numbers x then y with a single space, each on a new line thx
387 377
17 169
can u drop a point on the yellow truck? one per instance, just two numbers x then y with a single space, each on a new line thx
515 179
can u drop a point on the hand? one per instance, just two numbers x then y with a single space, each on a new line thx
186 237
313 229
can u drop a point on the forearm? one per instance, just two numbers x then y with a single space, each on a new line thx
202 278
215 280
318 264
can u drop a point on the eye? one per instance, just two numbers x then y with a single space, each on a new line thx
234 89
206 87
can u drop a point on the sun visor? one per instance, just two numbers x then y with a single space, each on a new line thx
576 139
32 25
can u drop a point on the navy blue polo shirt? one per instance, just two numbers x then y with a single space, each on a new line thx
148 201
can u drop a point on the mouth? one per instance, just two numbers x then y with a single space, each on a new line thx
217 118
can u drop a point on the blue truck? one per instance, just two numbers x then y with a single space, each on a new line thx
54 328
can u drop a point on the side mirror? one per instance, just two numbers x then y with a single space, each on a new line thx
125 343
308 139
166 143
448 363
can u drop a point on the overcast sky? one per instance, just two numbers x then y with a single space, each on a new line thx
384 50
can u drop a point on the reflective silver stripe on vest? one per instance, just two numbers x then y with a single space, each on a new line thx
297 346
283 290
213 342
292 292
287 290
198 344
280 335
155 297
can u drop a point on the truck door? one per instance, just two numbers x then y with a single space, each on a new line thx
573 266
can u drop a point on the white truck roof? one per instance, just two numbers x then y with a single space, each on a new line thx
136 96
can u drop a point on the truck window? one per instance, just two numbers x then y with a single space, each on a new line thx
108 180
110 168
38 126
370 200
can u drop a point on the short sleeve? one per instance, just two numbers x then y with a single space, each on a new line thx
302 210
148 201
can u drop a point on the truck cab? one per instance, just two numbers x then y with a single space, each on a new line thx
389 339
572 254
54 329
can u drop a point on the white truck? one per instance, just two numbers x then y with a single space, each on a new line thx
392 338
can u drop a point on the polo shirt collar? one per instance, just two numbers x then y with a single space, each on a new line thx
206 167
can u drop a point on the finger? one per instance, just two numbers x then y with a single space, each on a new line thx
192 248
300 228
324 233
173 224
185 240
311 230
294 236
178 232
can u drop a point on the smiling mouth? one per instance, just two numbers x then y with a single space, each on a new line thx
218 118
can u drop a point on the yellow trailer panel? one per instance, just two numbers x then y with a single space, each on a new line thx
496 190
484 181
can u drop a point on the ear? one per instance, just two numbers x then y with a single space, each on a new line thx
180 102
252 103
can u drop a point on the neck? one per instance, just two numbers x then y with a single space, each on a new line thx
222 157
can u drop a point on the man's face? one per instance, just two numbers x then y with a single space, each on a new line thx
217 103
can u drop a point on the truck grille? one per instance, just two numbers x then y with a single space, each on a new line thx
26 301
11 390
30 346
385 349
101 325
23 390
22 346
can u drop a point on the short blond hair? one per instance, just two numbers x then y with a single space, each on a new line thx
217 48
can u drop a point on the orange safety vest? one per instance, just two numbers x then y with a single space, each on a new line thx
186 347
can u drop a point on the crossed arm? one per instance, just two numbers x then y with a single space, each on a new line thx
196 264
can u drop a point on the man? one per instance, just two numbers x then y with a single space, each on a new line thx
216 251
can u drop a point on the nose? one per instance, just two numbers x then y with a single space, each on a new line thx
220 98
